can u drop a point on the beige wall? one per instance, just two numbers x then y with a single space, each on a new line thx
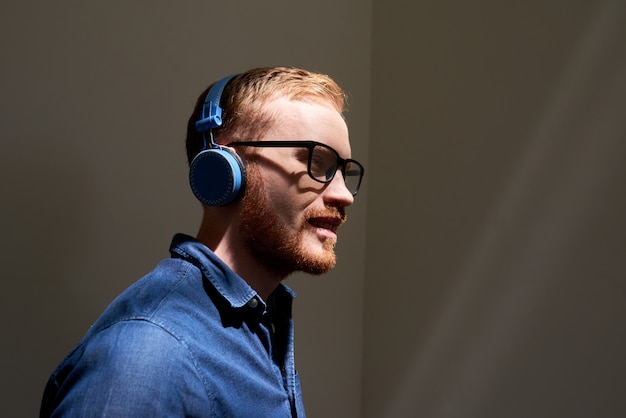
93 107
496 240
482 271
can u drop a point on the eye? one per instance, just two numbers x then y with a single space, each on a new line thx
323 163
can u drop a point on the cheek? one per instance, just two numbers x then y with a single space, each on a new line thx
289 199
290 193
287 207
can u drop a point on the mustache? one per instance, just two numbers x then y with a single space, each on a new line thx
338 213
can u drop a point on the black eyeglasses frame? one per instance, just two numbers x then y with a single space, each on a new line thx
309 145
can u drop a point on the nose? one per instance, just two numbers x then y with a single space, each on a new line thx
336 193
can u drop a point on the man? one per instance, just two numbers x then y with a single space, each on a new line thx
209 332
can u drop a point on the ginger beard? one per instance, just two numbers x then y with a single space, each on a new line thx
275 243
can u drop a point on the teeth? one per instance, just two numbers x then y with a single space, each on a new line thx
324 225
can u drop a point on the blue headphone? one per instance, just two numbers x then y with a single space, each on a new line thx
216 175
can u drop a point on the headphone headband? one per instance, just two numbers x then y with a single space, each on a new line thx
217 175
211 116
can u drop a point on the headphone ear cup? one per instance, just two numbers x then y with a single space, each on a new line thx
217 176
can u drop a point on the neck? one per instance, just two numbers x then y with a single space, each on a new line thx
221 234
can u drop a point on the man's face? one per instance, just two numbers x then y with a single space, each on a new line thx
288 220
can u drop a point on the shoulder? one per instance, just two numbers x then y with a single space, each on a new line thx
169 281
137 342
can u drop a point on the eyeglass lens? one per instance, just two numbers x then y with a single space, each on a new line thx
352 174
323 166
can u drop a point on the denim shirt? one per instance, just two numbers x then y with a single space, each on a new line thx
191 338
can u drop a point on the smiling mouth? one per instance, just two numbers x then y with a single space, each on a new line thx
331 225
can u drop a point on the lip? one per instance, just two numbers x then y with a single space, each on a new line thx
325 227
328 223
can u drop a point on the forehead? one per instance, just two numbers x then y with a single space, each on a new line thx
315 120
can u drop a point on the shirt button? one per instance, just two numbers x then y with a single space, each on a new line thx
253 303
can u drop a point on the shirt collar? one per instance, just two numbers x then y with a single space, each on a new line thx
228 283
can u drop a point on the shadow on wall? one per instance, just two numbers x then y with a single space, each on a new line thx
45 213
533 325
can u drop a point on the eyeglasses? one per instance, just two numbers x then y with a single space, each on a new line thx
323 161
